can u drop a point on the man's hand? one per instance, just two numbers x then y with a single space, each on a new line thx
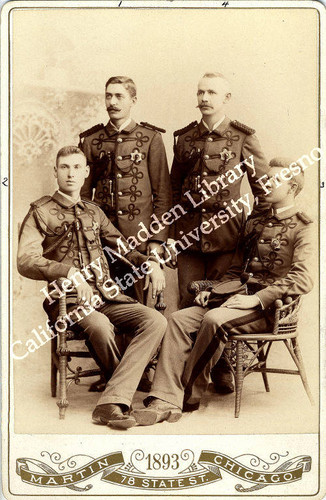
157 278
239 301
202 299
155 248
170 255
84 293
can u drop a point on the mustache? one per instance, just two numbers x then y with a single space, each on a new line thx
113 109
203 106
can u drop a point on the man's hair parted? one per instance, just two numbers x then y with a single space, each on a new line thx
69 150
216 74
298 179
127 82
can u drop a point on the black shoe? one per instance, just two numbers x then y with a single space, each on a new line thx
98 385
112 414
187 407
222 378
157 411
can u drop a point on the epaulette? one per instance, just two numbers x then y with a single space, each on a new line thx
152 127
185 129
244 128
304 218
41 201
92 130
91 202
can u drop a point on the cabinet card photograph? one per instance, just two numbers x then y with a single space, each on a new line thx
162 235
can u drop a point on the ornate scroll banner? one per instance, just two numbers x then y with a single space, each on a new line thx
287 472
51 478
167 471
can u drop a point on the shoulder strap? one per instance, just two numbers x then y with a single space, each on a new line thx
304 218
183 130
89 202
41 201
153 127
244 128
91 131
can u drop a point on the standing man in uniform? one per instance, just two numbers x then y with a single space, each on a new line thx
129 176
202 152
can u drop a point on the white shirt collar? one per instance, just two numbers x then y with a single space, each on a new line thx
70 198
124 125
282 209
215 124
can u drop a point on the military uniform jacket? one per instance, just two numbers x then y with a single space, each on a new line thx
129 172
275 254
57 235
199 155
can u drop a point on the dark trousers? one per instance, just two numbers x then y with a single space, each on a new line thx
193 343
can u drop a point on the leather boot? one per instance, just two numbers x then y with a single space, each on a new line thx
222 377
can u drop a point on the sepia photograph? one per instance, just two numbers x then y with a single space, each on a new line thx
162 183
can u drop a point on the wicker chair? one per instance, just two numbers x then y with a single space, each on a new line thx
248 353
61 355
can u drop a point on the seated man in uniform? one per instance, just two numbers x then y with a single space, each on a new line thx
271 262
61 237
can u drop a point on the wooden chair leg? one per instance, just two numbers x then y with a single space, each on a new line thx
302 371
63 350
238 377
262 359
54 369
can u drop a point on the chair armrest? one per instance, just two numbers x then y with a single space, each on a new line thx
194 287
286 315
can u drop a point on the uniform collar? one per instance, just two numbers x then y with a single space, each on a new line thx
284 212
66 201
217 124
219 130
128 127
122 127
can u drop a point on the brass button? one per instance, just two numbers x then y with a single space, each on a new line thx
205 174
262 241
69 235
255 259
120 193
203 210
251 275
119 212
210 139
119 139
206 157
78 212
119 157
119 176
270 224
